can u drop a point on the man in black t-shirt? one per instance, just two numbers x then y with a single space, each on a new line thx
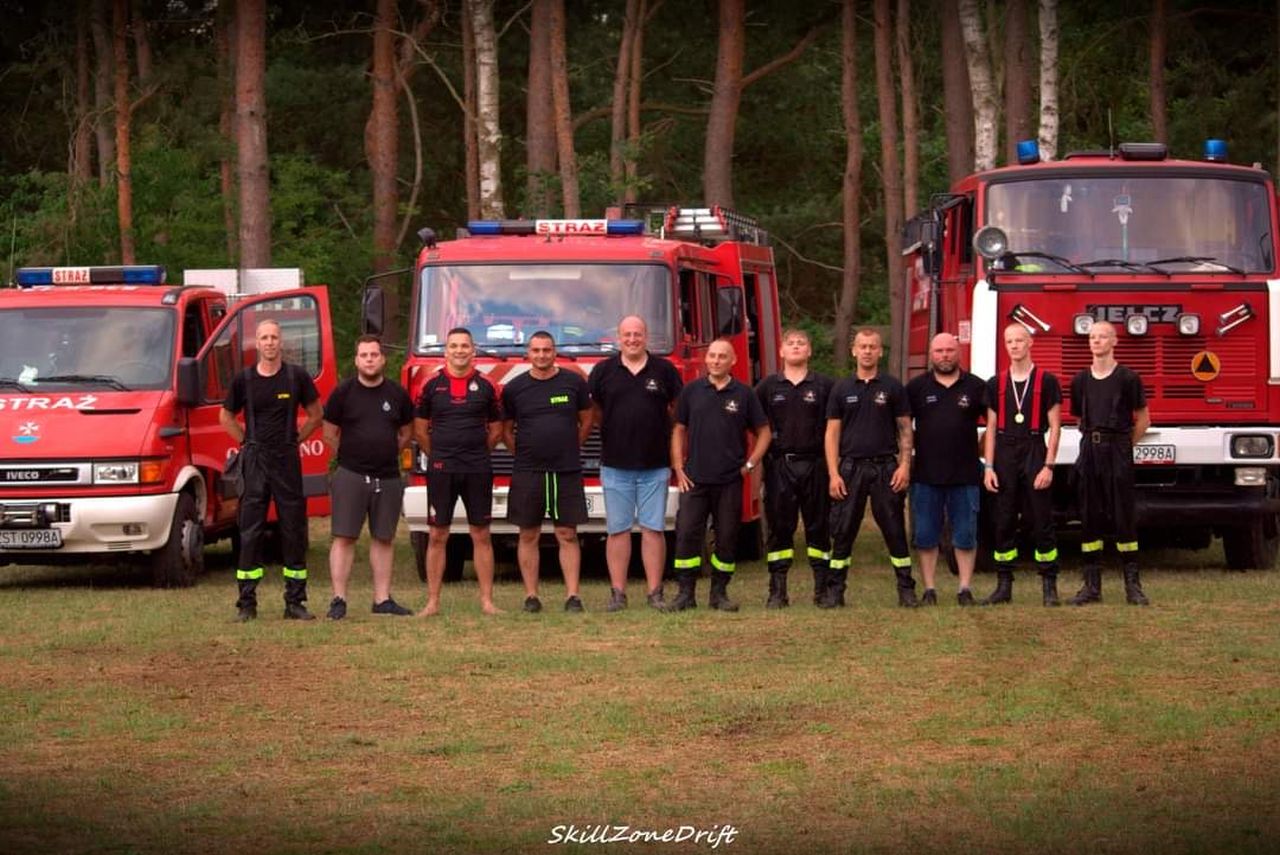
713 416
457 423
367 420
1024 424
633 393
547 416
868 451
270 393
947 403
1109 400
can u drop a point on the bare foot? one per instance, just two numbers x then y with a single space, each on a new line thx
489 608
432 608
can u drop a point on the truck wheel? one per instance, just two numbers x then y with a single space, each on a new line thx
180 561
751 541
418 540
1252 547
455 555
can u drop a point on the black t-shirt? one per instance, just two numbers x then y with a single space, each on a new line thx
635 429
370 418
545 413
460 410
1050 397
947 428
275 402
868 411
797 411
717 421
1107 404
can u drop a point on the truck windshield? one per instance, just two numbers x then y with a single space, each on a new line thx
1159 223
579 304
94 347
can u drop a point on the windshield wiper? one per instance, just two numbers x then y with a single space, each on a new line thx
13 383
1048 256
1120 262
603 345
100 379
1195 259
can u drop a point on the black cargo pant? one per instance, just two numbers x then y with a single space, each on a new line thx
795 487
1019 460
1105 493
273 473
723 504
869 478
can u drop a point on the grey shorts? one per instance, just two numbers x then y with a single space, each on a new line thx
356 498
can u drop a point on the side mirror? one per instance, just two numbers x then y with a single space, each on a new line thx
189 385
373 310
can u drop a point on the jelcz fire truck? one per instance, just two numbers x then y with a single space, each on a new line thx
1181 257
111 382
693 274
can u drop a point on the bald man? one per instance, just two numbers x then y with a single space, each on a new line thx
946 475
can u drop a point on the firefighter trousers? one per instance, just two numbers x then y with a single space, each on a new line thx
1018 462
795 487
1106 495
723 504
868 479
273 474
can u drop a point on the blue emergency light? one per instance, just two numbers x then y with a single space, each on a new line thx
1215 150
1028 152
556 228
131 274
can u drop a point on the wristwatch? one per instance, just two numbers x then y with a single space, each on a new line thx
750 466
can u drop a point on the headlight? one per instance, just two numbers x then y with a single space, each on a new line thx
1251 445
125 472
1082 324
1188 324
1136 324
1251 476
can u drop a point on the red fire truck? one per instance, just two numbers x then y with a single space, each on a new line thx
693 274
1180 256
111 382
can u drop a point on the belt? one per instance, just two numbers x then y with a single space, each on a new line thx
794 455
1098 437
879 458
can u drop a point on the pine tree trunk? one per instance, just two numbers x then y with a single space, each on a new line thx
124 177
141 44
471 145
382 136
81 160
634 88
851 190
621 90
1159 43
224 30
717 176
1048 79
985 107
251 134
563 113
1017 77
890 168
540 137
957 97
488 129
910 111
104 134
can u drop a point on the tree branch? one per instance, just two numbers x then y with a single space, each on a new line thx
595 113
787 58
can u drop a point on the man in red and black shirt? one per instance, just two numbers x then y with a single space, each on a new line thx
456 424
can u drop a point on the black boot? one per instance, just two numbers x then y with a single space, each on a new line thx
1091 590
777 590
1004 586
295 598
686 598
821 579
1049 582
719 598
1133 587
906 588
247 602
833 593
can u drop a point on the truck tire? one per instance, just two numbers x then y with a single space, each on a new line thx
418 540
180 561
455 555
751 540
1252 547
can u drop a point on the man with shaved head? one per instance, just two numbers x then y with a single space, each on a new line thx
947 403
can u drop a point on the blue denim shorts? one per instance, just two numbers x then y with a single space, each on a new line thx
634 495
959 503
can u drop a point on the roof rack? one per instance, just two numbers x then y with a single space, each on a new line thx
712 225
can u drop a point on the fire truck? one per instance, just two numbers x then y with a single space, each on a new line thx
1180 256
111 381
693 274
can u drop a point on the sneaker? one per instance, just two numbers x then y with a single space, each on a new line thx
532 605
965 597
617 600
929 598
573 604
338 609
387 607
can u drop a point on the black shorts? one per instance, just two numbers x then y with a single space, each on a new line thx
445 488
538 496
356 498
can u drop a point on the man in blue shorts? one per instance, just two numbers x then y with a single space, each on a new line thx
633 393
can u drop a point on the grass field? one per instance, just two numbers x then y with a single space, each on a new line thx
147 721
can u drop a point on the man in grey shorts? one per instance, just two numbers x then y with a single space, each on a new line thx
367 421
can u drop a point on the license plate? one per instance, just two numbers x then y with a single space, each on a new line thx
31 538
591 506
1154 455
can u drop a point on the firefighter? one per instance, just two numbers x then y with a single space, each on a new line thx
1024 424
270 393
795 474
713 415
1109 401
868 451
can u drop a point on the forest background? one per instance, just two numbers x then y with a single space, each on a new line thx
323 135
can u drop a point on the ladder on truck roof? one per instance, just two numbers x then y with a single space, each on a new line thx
713 225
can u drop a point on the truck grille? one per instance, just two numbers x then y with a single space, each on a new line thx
502 460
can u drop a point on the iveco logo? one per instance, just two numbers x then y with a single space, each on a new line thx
28 432
1160 314
20 475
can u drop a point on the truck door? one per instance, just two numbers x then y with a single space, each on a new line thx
307 333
